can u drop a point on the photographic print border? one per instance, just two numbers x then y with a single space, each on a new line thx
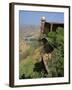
11 43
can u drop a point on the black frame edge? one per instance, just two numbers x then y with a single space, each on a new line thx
11 45
36 4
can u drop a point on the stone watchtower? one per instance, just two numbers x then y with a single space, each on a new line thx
43 20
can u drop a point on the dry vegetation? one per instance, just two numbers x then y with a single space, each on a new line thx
30 55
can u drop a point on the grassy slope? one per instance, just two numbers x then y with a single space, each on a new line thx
27 63
28 53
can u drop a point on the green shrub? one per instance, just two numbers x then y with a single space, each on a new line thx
56 65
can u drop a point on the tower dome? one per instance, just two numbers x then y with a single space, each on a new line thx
43 18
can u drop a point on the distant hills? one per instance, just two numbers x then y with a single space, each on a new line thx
28 31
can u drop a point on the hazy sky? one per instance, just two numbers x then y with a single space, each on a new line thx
33 17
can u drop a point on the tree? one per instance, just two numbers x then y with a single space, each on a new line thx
56 65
